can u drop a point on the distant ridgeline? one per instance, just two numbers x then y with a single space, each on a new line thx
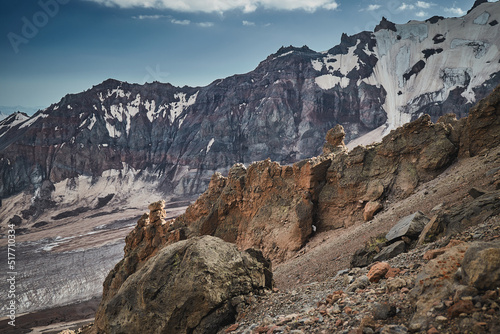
281 110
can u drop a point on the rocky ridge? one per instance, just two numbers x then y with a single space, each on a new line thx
417 153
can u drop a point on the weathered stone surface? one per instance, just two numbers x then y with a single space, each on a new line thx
433 229
267 206
378 271
483 126
435 282
390 251
371 208
185 287
481 265
472 213
335 140
392 169
363 257
410 226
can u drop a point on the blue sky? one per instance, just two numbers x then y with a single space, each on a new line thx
49 48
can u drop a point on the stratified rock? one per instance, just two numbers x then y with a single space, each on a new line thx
472 213
391 251
481 265
267 206
186 288
363 257
392 169
410 226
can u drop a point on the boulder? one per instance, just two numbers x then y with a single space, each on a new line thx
410 226
187 287
378 271
391 251
433 229
481 265
371 208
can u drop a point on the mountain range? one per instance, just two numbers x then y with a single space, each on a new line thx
107 151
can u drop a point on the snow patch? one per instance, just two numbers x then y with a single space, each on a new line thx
113 133
402 64
284 54
33 120
69 107
482 19
177 107
133 107
92 122
210 143
328 81
317 64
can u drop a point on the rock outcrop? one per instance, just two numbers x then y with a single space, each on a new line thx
192 286
274 208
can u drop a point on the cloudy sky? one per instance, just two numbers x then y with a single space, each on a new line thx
53 47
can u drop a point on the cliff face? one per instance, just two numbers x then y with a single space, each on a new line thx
281 110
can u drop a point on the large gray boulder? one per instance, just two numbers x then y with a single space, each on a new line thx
188 287
481 265
410 226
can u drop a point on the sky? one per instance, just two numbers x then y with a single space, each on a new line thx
49 48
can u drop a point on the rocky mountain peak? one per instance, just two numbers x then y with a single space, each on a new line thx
477 3
385 24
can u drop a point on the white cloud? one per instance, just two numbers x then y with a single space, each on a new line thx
373 7
218 6
248 23
421 14
455 11
205 24
423 4
405 6
148 17
180 22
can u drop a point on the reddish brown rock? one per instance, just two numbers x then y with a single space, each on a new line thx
378 271
462 306
392 169
371 208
